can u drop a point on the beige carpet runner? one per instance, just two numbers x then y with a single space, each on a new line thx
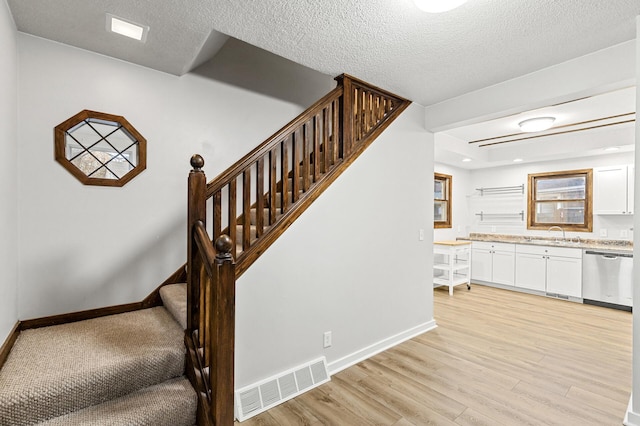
122 369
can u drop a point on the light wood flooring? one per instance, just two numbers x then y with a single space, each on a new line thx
497 358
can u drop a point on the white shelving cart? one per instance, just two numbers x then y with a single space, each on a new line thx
452 264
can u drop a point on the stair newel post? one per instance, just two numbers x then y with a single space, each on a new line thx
222 345
346 116
196 212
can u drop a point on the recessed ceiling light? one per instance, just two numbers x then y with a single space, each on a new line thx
127 28
466 160
438 6
517 160
537 124
612 148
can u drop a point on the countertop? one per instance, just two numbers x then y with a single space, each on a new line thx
595 244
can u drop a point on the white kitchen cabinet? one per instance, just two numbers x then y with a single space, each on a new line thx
564 275
613 190
493 262
531 271
554 270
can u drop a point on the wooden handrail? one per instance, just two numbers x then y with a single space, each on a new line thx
259 203
205 249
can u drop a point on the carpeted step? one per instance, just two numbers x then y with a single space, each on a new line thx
171 403
240 230
53 371
174 297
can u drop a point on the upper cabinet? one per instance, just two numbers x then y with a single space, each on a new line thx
613 190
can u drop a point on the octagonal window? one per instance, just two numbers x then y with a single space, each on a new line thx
100 149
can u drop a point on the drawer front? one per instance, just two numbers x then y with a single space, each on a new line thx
508 247
531 249
575 253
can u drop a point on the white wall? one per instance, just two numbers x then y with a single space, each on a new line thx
8 173
460 215
85 246
517 175
352 264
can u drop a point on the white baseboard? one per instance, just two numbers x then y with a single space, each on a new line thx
631 418
364 353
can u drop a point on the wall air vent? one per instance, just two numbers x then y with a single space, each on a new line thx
259 397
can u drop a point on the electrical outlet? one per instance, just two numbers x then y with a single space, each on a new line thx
493 229
624 233
421 235
326 339
603 232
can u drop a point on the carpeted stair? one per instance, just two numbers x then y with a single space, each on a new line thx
124 369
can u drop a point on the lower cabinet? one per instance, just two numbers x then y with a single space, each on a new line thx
531 271
493 262
556 270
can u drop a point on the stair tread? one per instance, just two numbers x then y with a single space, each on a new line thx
171 403
174 297
56 370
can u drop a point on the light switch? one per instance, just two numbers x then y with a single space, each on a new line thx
421 235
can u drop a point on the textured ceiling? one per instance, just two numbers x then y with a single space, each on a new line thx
424 57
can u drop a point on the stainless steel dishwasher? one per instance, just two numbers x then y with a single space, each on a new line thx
607 278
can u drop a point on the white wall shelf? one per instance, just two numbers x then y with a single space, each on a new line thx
492 217
501 190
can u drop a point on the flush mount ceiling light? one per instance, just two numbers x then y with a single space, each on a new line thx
517 160
537 124
466 160
438 6
612 148
127 28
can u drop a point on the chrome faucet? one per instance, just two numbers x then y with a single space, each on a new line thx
559 228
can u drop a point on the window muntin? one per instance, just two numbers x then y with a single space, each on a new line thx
100 149
560 199
442 200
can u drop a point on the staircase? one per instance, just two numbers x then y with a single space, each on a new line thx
250 205
125 369
131 368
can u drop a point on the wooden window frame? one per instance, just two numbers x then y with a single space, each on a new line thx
449 185
60 147
587 225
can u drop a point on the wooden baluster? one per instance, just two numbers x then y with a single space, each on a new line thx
325 140
366 109
358 117
295 164
246 209
316 148
306 157
196 211
233 216
372 110
222 344
335 134
347 109
284 175
273 185
204 330
216 213
260 198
